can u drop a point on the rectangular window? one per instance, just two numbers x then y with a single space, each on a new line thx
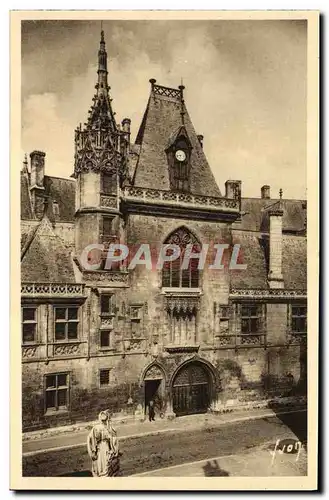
106 304
251 319
181 177
299 319
57 392
105 338
29 324
107 235
104 377
66 323
224 316
109 183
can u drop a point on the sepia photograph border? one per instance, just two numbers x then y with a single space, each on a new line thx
309 482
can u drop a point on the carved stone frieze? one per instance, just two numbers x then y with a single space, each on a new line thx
154 373
66 349
108 201
29 352
172 348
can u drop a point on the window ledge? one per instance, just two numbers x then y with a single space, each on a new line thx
180 291
71 341
176 348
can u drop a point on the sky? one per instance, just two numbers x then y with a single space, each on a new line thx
245 90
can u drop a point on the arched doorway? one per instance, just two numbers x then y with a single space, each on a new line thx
191 389
154 387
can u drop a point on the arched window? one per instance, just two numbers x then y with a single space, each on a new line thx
173 275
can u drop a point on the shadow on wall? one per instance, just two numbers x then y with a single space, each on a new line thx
212 469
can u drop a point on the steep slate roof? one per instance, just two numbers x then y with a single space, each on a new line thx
256 217
294 261
56 189
46 259
26 209
162 119
254 252
253 255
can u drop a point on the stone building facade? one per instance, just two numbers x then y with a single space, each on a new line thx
191 340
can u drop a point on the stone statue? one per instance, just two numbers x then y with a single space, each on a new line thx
103 447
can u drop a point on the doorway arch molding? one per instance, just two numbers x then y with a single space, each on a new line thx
193 386
202 361
155 365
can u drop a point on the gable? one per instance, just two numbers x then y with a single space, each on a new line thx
161 123
45 257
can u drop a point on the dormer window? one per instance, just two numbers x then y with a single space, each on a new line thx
179 154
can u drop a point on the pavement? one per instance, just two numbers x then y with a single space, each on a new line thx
208 445
35 444
258 462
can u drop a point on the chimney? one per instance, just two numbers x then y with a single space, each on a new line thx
265 192
200 139
126 125
125 137
233 189
37 169
275 277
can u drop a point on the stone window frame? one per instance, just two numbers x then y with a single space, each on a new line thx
292 317
108 373
170 269
107 314
107 234
258 316
224 318
67 321
237 318
35 322
109 333
57 409
111 307
109 183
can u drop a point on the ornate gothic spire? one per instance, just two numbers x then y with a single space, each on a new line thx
98 142
101 114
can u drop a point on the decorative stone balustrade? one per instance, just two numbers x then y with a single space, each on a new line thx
49 289
297 338
113 278
255 293
156 196
240 340
108 201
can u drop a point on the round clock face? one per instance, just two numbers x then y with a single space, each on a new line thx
180 155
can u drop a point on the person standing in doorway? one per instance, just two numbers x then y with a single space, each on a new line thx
151 411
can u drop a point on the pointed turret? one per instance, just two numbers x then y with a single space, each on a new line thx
101 150
97 145
101 114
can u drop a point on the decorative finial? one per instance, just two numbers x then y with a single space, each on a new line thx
102 32
25 164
